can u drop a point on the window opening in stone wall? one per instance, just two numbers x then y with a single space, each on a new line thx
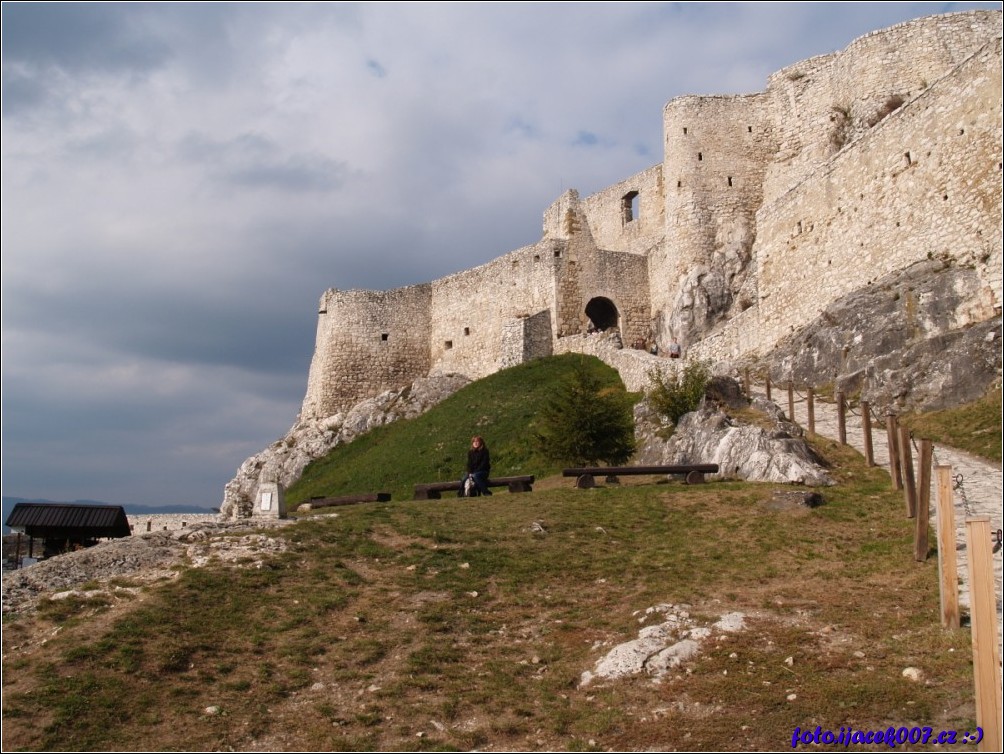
467 331
384 336
909 160
730 180
679 184
557 253
448 345
749 129
602 313
629 207
700 156
684 130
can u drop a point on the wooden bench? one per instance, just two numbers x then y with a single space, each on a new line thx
435 490
327 502
692 473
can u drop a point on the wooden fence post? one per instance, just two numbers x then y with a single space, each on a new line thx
920 538
768 385
892 431
948 569
791 401
866 425
841 418
906 464
810 401
983 619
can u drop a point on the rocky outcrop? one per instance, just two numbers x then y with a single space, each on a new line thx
765 448
285 460
93 573
921 339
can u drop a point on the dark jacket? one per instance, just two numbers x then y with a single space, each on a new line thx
479 461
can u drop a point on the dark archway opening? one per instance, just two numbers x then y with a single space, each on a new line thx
602 314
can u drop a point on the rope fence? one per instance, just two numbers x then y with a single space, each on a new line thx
981 542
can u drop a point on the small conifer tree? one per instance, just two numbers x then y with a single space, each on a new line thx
587 422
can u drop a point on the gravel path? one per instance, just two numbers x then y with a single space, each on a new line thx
980 494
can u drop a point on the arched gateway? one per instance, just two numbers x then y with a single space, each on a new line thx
602 312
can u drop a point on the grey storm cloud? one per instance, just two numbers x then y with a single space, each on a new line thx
80 37
253 160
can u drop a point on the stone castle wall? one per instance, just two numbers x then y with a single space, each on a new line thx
367 342
617 223
765 208
924 182
473 312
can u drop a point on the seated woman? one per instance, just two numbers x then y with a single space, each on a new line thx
479 466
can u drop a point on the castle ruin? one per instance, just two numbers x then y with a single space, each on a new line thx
765 208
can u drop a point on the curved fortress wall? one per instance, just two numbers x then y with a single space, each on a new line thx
716 152
367 342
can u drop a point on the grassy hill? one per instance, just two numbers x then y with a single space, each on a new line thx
467 624
433 447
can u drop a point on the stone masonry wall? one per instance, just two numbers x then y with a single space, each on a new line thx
612 223
716 152
472 310
925 182
821 104
367 342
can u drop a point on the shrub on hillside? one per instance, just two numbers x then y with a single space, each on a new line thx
674 392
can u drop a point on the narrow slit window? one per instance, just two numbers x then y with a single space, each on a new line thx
629 207
700 156
467 331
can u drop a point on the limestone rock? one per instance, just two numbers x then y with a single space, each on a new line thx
921 338
308 440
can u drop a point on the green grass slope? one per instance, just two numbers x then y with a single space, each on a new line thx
455 625
467 624
433 447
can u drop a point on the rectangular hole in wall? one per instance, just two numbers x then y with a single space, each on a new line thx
700 156
448 345
730 180
684 130
557 253
467 331
384 336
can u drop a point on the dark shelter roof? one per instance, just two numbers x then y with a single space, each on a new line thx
69 521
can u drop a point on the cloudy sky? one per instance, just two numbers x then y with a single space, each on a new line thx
181 182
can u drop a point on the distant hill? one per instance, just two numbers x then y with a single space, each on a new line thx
130 508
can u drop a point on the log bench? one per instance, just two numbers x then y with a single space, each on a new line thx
435 490
327 502
692 473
